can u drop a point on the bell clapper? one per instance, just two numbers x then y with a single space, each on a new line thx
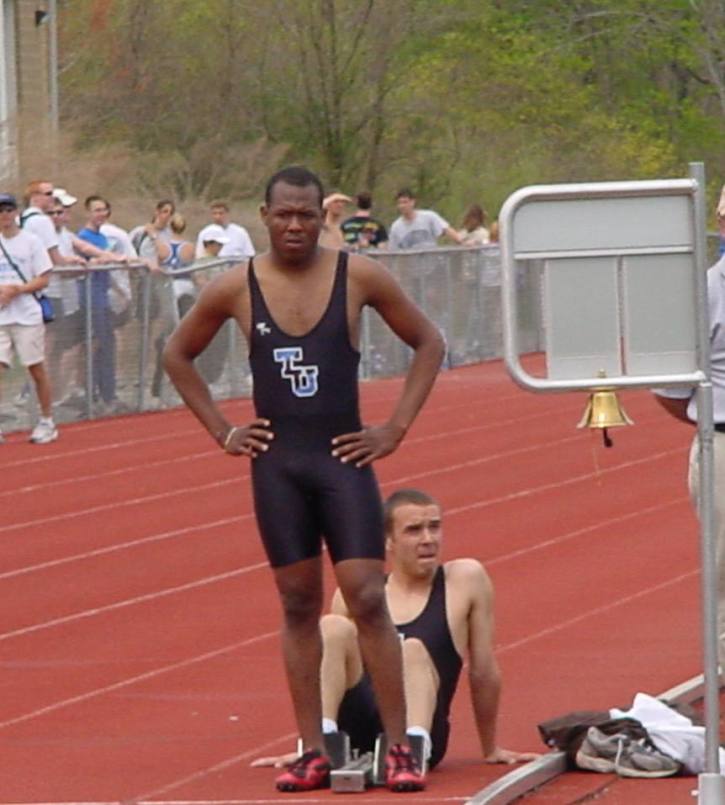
603 411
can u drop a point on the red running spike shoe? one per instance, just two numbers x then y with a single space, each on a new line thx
402 771
310 771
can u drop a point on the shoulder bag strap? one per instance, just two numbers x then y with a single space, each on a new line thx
17 269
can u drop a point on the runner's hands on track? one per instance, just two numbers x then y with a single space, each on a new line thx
278 761
509 756
366 445
250 440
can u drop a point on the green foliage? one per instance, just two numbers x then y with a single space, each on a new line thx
463 99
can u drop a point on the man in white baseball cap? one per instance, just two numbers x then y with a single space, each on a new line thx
64 197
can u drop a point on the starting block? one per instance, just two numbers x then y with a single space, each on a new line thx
369 769
337 748
355 776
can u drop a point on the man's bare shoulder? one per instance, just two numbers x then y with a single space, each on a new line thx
231 281
360 265
467 574
373 280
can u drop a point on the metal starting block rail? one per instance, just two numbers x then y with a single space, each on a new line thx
369 769
352 772
355 776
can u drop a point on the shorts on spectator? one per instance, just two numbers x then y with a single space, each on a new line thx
27 340
69 329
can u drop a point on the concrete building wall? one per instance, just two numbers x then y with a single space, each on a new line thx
8 91
35 135
26 130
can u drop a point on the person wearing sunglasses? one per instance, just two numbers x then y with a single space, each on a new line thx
39 201
24 271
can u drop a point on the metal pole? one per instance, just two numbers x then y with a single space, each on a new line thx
89 344
711 790
53 64
145 330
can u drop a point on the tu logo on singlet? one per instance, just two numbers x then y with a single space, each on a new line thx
302 378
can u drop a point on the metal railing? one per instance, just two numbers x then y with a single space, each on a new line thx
105 359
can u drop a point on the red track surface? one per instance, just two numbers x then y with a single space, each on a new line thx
138 621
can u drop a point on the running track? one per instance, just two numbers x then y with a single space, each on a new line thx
139 638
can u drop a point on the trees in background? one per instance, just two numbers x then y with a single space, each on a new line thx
463 99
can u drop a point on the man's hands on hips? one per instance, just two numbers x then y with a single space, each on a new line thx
367 445
249 440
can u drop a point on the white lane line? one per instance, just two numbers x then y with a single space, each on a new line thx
97 477
212 579
145 799
133 468
535 490
547 543
558 627
178 492
500 649
224 764
89 613
99 448
397 481
124 683
121 546
370 798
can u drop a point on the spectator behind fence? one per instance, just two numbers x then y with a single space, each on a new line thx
63 339
212 360
362 231
39 201
238 243
334 207
473 230
144 236
174 255
102 329
418 229
24 272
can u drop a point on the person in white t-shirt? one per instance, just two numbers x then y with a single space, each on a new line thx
238 244
39 200
418 229
681 403
24 272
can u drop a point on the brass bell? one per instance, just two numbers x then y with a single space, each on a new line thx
604 411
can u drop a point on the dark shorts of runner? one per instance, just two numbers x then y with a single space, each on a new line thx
302 493
358 716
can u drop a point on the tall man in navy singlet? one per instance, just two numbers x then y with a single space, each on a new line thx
299 306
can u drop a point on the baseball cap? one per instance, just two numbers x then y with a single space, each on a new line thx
64 197
213 232
8 200
335 197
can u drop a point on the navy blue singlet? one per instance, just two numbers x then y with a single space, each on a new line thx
431 628
358 714
307 386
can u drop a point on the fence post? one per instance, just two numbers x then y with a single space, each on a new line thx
145 329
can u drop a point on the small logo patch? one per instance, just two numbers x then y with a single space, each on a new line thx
263 328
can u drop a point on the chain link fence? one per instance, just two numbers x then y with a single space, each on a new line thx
103 351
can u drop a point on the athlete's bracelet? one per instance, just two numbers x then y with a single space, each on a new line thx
228 439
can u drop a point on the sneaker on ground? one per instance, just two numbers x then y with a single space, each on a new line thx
626 757
310 771
402 772
45 431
